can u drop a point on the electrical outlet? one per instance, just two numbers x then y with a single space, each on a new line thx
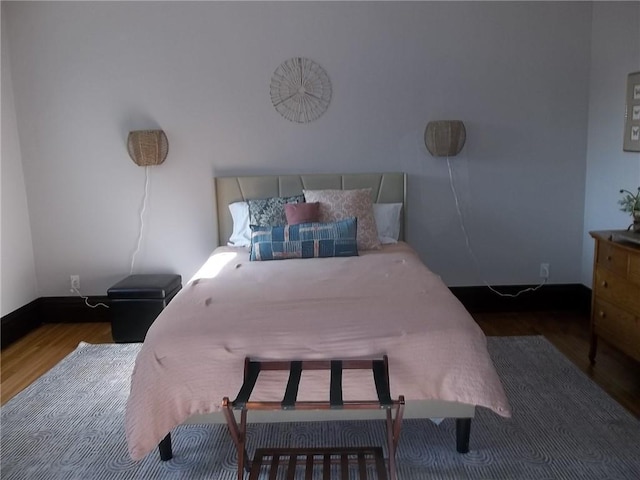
75 282
544 270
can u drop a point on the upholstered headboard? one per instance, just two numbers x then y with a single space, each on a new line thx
385 188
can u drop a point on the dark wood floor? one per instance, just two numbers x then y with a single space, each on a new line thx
25 360
615 372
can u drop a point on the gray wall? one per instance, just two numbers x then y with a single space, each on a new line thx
517 74
18 285
615 52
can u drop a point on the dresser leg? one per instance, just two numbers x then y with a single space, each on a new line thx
592 349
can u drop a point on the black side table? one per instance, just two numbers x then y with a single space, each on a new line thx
136 301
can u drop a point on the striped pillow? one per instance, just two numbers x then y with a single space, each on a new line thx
305 240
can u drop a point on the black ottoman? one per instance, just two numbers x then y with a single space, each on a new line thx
136 301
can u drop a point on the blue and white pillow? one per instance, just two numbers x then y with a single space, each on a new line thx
270 211
305 240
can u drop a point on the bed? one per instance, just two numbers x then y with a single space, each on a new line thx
384 301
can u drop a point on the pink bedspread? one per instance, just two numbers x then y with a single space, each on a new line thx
382 302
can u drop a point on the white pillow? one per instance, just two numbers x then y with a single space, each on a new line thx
241 235
387 217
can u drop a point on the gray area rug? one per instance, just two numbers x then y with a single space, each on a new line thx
69 425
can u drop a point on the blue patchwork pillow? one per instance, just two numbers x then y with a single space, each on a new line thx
305 240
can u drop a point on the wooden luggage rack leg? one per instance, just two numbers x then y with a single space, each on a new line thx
297 456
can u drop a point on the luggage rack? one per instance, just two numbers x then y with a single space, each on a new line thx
309 458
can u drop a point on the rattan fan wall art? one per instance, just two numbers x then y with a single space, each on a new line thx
300 90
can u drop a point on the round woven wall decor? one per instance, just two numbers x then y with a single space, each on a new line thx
300 90
148 147
445 138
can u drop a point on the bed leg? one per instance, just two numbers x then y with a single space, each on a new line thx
463 431
165 448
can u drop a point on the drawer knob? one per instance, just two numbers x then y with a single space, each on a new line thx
608 258
604 284
602 314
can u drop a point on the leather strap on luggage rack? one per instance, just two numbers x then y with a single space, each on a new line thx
380 371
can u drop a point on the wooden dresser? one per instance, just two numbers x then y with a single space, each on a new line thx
615 304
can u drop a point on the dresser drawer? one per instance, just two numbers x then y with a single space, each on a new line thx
612 258
634 269
617 290
617 326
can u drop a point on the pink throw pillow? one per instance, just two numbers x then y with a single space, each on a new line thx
340 204
301 212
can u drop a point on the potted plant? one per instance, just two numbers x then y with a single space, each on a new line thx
630 203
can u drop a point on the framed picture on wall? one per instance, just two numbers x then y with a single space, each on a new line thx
631 141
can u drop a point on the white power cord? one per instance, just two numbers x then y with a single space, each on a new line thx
86 299
133 258
473 256
142 210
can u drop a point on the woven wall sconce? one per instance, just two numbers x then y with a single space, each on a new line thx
148 147
445 138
